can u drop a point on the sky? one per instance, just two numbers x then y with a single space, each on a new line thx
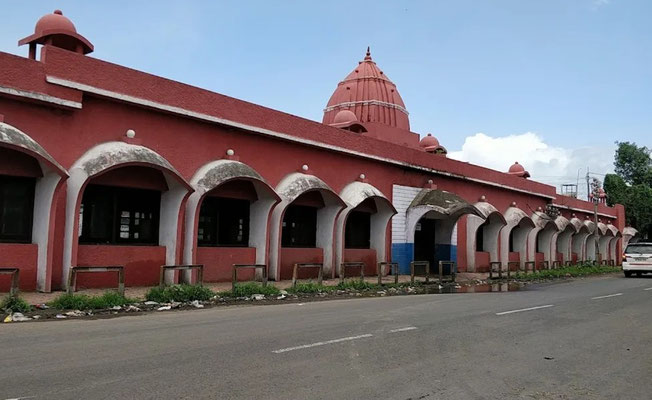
552 84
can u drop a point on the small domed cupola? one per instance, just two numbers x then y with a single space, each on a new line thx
346 119
518 170
430 144
58 31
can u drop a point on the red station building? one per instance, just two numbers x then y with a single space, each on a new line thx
104 165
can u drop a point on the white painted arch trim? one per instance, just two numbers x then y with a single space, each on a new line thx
490 234
516 219
104 157
289 189
210 176
544 230
353 195
44 194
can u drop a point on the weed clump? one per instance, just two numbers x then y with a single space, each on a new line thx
179 293
15 304
109 299
250 288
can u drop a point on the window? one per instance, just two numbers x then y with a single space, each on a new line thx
537 245
299 227
479 238
512 245
223 222
116 215
358 230
16 208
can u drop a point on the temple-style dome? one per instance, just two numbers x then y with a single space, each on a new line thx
518 170
56 30
370 95
430 144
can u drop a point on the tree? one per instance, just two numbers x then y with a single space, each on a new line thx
631 186
633 163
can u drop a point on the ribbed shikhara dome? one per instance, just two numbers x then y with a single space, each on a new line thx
370 95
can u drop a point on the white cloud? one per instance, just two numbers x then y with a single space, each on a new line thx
547 164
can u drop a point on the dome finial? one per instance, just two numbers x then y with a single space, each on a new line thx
368 56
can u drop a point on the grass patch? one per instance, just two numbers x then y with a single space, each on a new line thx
311 287
109 299
250 288
358 285
573 271
179 293
15 304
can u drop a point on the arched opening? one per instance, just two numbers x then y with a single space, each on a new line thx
486 231
564 244
603 245
541 245
123 205
514 237
432 222
579 244
227 219
29 181
362 226
590 248
303 225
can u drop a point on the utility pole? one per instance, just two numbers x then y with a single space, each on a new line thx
596 199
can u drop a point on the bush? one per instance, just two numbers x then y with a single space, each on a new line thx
251 288
179 293
84 302
573 271
357 285
15 304
311 287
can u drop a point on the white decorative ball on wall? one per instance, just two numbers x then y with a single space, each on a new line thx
362 176
131 133
304 167
230 152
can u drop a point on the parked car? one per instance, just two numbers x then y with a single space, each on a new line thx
637 259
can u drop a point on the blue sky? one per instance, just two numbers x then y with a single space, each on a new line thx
575 75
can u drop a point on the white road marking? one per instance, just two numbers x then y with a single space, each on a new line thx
525 309
650 288
604 297
22 398
307 346
407 328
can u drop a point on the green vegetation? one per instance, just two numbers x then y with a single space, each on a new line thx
573 271
250 288
179 293
15 304
310 287
84 302
631 186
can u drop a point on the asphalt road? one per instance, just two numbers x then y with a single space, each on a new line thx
574 343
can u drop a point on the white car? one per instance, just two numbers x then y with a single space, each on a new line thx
637 259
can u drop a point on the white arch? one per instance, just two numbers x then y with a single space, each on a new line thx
603 243
105 157
44 198
543 231
210 176
289 189
591 240
563 238
353 195
490 233
519 220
